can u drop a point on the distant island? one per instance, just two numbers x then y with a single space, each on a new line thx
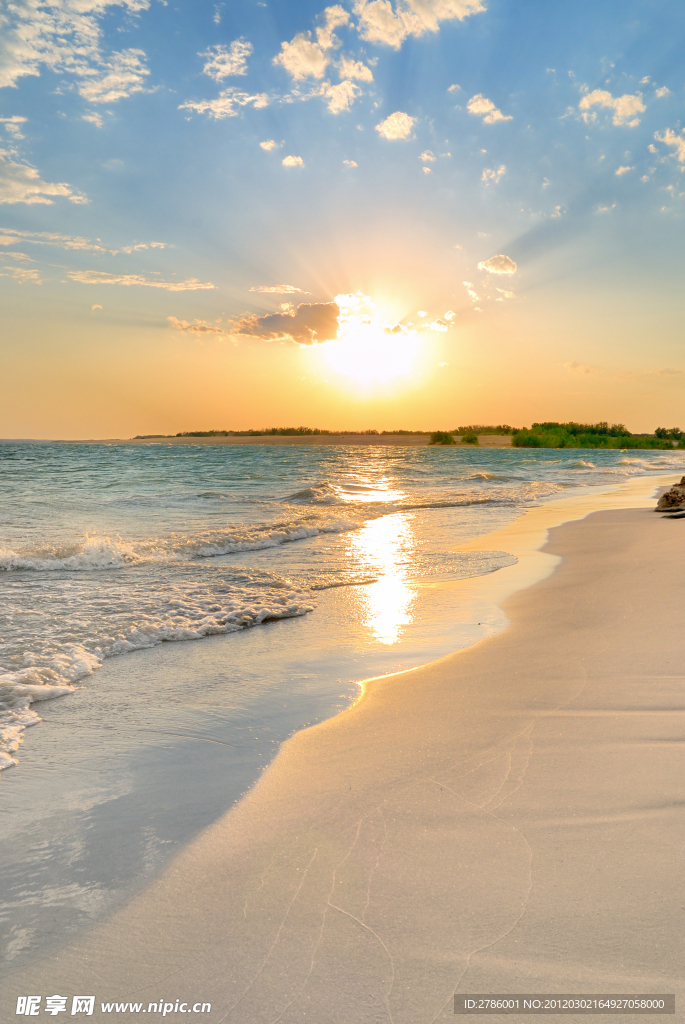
540 435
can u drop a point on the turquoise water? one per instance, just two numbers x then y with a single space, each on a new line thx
105 550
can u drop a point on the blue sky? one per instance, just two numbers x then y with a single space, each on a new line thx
171 174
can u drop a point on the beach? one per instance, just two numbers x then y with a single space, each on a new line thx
505 819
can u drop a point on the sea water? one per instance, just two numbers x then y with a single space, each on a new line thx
297 571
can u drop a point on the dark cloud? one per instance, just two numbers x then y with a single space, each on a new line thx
308 324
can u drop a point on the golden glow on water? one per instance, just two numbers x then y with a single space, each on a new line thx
386 545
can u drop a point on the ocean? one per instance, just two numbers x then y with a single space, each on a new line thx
297 572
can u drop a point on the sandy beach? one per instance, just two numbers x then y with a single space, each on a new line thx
506 819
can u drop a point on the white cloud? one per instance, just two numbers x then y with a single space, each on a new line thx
663 91
484 107
426 170
341 97
498 265
349 68
222 61
96 306
13 125
492 175
292 161
100 277
449 315
117 78
438 325
427 156
454 88
396 126
20 183
422 312
279 289
22 275
669 138
65 36
332 18
471 292
199 327
350 163
623 170
605 209
224 105
94 118
302 57
268 145
379 22
505 293
624 107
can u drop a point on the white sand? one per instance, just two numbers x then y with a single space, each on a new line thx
508 818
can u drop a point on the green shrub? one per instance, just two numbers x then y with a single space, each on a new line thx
469 438
441 437
586 435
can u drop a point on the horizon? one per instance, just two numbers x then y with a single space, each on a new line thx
339 214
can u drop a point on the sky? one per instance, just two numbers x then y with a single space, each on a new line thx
375 214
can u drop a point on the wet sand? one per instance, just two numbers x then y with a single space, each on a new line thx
506 819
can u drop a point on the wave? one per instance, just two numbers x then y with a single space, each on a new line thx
131 620
323 493
90 554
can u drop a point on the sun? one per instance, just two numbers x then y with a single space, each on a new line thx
369 348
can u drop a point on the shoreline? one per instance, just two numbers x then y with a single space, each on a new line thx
304 793
398 440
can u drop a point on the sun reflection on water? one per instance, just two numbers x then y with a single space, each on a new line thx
386 545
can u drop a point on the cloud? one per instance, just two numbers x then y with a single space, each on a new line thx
498 265
279 289
268 145
449 315
396 126
492 175
484 107
341 97
22 275
663 91
100 277
20 183
222 61
292 161
426 170
624 107
96 306
310 323
669 138
65 36
454 88
199 327
471 291
94 118
427 156
622 170
379 22
349 68
304 58
350 163
582 368
224 105
121 76
13 125
505 294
